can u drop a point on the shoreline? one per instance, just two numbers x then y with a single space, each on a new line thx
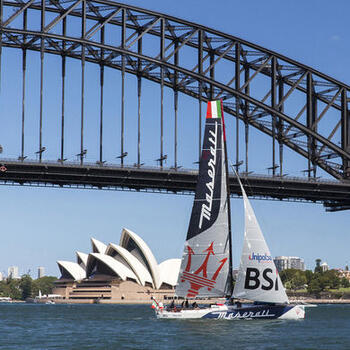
204 302
320 301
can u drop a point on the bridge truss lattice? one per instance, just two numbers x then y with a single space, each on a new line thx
297 106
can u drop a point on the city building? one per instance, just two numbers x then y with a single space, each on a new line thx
41 271
1 276
289 262
324 267
128 271
343 273
296 263
12 272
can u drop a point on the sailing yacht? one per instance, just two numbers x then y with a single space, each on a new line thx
206 266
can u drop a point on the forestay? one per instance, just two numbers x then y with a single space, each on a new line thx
205 267
258 278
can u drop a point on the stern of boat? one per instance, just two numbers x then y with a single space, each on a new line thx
296 312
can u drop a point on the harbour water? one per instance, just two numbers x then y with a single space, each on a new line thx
134 327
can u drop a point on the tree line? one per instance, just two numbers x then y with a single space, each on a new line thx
314 282
25 287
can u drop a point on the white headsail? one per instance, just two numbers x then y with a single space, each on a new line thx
206 262
258 278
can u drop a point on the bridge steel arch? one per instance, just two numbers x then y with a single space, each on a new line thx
300 107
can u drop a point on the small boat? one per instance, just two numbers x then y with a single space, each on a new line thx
206 267
5 300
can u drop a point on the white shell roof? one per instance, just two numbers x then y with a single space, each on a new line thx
135 265
151 260
97 246
73 269
83 257
119 268
169 271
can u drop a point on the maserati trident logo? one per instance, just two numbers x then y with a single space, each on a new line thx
206 208
196 280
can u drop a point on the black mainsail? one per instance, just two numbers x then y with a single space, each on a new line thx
206 267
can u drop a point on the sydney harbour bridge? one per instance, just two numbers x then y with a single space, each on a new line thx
67 52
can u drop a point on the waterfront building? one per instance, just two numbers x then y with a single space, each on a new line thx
1 276
12 272
324 267
281 263
289 262
343 273
128 271
296 263
41 271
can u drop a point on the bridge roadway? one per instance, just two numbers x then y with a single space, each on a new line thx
334 195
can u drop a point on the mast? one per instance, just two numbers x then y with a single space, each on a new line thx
230 276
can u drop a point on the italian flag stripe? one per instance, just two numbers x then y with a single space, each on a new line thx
218 107
214 109
209 110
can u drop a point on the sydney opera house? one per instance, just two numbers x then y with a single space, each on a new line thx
112 273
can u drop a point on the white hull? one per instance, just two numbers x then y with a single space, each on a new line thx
190 313
295 313
284 312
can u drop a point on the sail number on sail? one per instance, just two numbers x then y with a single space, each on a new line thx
206 208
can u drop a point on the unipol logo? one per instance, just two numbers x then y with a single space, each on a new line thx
260 257
206 207
200 279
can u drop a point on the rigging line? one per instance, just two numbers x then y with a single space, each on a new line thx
249 185
247 181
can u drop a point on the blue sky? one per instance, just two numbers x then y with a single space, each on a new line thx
40 226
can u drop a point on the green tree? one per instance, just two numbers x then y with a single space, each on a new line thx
44 284
308 274
26 287
3 289
298 280
10 288
345 283
287 275
26 284
318 267
322 281
293 279
333 279
314 287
